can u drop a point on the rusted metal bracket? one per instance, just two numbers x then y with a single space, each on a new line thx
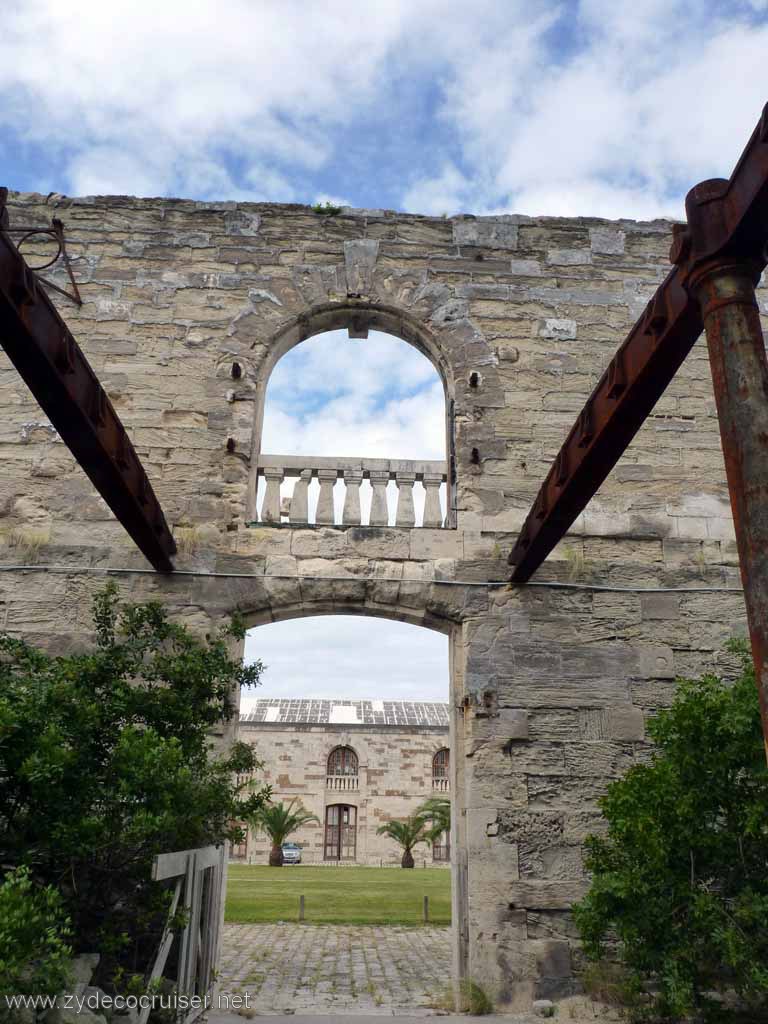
56 232
725 219
43 350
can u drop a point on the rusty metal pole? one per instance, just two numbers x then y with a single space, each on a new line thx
725 290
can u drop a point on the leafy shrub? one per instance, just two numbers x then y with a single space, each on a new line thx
326 209
106 760
680 880
34 954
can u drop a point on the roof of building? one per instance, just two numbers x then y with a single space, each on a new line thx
347 712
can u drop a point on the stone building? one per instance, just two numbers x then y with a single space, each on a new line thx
355 765
188 306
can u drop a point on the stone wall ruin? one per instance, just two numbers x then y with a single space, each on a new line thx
551 686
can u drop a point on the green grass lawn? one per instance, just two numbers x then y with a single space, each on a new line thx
257 894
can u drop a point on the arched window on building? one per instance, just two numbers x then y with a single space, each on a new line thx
441 763
342 770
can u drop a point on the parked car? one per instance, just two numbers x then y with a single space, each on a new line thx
291 853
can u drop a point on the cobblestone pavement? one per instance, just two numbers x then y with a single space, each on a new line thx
317 969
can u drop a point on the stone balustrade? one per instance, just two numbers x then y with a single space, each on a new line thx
441 785
296 509
342 782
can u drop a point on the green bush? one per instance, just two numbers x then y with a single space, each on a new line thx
326 209
106 761
679 892
34 954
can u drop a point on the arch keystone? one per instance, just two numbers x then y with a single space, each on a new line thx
360 257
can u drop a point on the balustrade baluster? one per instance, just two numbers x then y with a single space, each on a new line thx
300 499
405 513
379 512
276 468
433 515
270 510
351 513
325 511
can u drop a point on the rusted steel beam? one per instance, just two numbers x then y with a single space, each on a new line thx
624 396
726 291
43 350
724 216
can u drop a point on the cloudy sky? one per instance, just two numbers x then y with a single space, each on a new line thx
609 108
605 107
351 657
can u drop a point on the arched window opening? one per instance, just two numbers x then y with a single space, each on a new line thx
340 832
440 770
342 772
355 433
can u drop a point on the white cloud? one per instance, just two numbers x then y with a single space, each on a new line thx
621 127
590 107
443 194
350 657
376 397
180 80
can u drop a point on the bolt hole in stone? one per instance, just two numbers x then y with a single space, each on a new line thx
354 434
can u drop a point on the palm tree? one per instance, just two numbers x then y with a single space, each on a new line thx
279 822
407 833
436 810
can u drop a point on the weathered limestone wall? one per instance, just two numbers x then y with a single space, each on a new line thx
394 778
550 687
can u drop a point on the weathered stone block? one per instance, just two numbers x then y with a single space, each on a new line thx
546 894
490 232
559 330
360 257
568 257
660 606
626 724
607 241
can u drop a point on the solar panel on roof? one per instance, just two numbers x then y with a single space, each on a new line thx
385 712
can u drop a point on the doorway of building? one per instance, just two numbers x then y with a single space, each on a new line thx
340 842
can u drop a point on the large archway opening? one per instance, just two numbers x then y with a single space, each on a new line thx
353 723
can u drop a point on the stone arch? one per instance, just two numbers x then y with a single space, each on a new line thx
440 606
358 317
